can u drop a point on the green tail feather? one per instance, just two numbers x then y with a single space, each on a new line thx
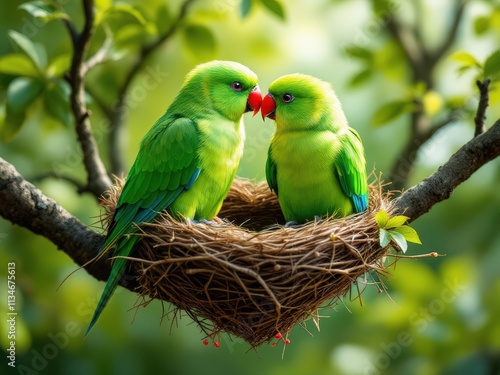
115 276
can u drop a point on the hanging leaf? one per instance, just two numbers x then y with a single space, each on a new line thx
200 42
56 101
11 124
245 7
18 64
59 65
36 53
361 77
481 25
385 239
400 240
465 59
274 7
21 92
390 111
43 11
492 65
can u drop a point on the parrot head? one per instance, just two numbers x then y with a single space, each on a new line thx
226 86
299 101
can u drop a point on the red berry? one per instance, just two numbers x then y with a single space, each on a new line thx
216 344
205 342
273 344
287 341
278 336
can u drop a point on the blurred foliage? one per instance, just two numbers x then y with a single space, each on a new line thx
441 313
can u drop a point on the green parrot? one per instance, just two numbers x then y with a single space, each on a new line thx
315 162
187 161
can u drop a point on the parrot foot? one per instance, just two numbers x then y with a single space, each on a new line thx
291 224
215 221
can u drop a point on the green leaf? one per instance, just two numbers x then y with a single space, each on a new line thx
59 65
43 11
11 124
481 25
57 101
36 53
130 10
274 7
200 42
399 239
384 237
18 64
245 7
21 92
103 5
381 218
492 65
390 111
360 53
361 77
396 221
409 233
465 59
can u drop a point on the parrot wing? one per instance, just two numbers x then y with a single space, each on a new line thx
351 170
271 171
165 166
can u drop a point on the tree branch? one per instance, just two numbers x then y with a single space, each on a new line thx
452 32
419 199
484 101
422 63
421 133
98 180
23 204
117 113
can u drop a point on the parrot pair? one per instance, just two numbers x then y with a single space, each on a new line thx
188 159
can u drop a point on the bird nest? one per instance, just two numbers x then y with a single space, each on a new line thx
250 276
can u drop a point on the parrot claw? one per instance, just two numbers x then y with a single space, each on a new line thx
291 224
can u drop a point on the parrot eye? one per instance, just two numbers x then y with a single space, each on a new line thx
237 86
287 98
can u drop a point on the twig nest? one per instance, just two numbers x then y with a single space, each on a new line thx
249 281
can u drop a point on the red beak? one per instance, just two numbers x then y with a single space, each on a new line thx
268 107
254 100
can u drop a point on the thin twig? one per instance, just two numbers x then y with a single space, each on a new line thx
422 62
98 180
484 100
117 117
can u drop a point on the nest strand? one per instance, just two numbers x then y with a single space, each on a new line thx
246 278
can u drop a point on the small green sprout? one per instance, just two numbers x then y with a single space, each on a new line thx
395 229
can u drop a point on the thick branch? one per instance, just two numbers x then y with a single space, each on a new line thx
23 204
439 186
117 117
98 179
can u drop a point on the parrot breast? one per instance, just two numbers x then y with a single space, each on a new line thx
220 151
307 184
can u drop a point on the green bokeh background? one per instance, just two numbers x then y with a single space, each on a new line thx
442 313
